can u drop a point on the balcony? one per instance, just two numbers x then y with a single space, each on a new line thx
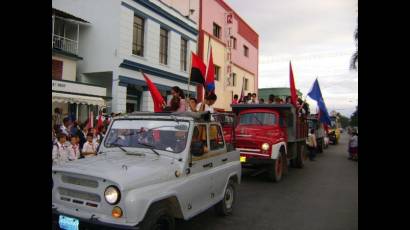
66 31
65 44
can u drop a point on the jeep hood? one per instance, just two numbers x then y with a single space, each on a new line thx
128 171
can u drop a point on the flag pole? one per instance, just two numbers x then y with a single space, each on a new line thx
189 77
207 59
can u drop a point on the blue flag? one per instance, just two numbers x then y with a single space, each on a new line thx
316 95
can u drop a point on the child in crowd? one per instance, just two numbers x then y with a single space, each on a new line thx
75 148
90 147
61 150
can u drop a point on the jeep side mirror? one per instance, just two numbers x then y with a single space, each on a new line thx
197 148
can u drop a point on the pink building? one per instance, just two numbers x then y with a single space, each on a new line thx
234 45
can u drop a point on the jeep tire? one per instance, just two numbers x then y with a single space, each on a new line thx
226 205
276 170
158 217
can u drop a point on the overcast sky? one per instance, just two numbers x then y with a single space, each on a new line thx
316 35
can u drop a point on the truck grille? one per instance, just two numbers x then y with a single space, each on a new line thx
69 193
79 181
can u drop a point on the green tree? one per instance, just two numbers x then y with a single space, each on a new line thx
344 121
354 118
355 57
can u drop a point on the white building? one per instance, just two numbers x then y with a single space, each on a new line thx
128 36
72 96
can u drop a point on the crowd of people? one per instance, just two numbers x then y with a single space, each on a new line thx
73 140
177 102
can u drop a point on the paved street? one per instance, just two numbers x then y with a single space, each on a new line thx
323 195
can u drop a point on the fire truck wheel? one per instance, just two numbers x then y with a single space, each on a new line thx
225 206
299 161
275 170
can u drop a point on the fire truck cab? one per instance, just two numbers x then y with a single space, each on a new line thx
270 136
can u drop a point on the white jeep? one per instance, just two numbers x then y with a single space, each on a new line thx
150 169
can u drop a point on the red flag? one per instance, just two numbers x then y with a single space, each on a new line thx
90 123
293 95
155 94
210 75
100 123
198 70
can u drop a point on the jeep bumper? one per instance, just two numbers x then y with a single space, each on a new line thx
89 223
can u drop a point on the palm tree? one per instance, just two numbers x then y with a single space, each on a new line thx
355 57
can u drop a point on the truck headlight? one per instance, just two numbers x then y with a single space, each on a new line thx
112 195
265 146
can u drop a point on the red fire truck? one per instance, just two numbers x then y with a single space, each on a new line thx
270 137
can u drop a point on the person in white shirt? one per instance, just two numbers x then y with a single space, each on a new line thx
253 99
90 147
74 148
61 150
192 105
207 105
311 145
65 127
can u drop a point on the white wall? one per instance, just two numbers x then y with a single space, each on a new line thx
99 40
69 68
152 39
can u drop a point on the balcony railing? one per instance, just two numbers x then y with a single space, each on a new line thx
65 44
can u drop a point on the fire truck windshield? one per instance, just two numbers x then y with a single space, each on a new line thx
257 119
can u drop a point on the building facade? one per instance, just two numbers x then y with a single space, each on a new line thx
75 98
235 47
130 36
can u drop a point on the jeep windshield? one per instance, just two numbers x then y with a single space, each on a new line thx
166 135
257 119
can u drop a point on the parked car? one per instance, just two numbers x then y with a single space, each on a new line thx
151 168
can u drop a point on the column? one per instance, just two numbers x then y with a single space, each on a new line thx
147 104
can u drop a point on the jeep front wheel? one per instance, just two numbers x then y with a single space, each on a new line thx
225 206
158 218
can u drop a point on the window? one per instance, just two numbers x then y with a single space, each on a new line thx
246 51
130 107
246 84
57 70
199 143
163 47
257 119
233 42
233 79
217 31
217 68
138 36
184 51
216 140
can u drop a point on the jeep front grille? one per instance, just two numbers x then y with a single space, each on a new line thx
79 181
79 195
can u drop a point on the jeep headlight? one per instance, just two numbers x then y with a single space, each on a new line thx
265 146
112 195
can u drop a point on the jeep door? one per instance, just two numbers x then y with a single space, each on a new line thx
221 160
198 186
